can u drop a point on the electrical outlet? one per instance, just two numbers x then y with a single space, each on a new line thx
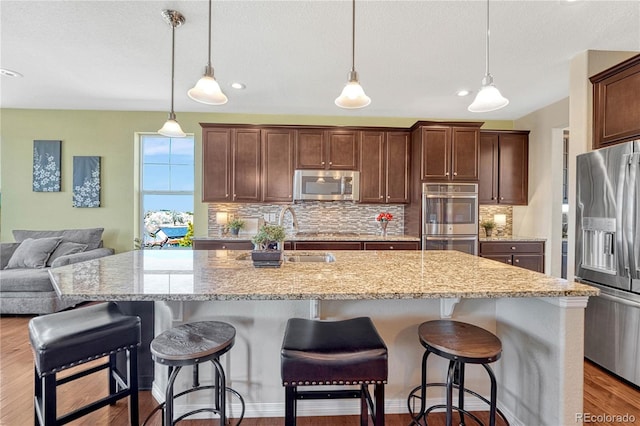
272 217
266 217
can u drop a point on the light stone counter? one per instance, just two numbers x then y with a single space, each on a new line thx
539 319
183 275
320 236
511 238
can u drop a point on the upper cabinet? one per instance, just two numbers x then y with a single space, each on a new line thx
503 170
326 149
447 151
616 104
231 164
277 164
384 167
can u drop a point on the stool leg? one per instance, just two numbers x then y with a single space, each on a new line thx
290 405
37 396
132 381
113 385
449 419
494 396
48 400
461 391
423 389
168 399
364 406
221 391
379 396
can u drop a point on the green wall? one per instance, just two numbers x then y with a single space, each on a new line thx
111 135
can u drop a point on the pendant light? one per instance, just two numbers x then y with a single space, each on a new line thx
353 95
207 90
171 127
489 97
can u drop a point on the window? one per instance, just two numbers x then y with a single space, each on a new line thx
167 181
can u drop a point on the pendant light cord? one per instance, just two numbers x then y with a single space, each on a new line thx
173 50
487 46
353 36
209 59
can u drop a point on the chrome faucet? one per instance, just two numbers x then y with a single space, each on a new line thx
293 216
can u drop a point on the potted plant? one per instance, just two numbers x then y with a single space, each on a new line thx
268 246
488 225
235 225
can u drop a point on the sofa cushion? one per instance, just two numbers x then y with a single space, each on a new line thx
6 251
66 248
90 236
25 280
33 253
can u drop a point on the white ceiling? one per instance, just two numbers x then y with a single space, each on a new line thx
294 56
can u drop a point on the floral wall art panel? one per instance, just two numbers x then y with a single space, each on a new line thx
86 181
46 166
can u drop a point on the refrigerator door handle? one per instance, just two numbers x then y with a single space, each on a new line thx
622 219
631 226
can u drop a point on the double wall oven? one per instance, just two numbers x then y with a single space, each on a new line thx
450 217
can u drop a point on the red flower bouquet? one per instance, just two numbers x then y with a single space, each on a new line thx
384 217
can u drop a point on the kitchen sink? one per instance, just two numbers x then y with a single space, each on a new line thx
322 258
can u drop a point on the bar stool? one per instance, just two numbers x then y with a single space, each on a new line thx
67 339
347 352
461 344
192 344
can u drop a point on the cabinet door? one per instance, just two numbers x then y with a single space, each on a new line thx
277 165
246 165
222 245
533 262
513 169
506 258
216 165
372 167
327 245
343 149
392 245
488 169
310 149
464 154
397 167
436 156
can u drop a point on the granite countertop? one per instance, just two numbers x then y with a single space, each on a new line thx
512 238
183 275
320 236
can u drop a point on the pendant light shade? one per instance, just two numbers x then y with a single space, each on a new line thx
353 96
207 90
171 127
489 97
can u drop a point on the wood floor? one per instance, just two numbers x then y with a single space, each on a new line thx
602 395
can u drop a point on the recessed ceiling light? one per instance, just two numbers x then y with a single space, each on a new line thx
463 92
9 73
238 86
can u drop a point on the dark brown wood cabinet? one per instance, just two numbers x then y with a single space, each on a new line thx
326 149
231 164
503 168
447 151
277 165
222 245
391 245
384 167
616 104
525 254
327 245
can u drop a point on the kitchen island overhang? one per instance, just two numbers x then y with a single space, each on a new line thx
539 318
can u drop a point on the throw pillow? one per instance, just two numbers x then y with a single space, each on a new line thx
92 237
65 248
33 253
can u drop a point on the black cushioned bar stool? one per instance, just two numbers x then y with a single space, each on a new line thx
347 352
190 345
461 344
67 339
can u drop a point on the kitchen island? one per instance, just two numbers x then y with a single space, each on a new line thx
538 318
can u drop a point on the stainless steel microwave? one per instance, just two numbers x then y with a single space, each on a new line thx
326 185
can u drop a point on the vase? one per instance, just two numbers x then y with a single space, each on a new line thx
235 231
488 231
383 227
266 258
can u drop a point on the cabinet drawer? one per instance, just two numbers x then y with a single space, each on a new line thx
392 245
222 245
503 247
327 245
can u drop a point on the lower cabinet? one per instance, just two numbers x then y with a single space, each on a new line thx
327 245
310 245
525 254
222 245
392 245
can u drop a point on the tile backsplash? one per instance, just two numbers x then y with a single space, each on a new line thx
487 211
316 216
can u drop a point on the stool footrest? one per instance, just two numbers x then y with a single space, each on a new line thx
332 394
82 373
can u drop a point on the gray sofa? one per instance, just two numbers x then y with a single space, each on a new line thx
25 287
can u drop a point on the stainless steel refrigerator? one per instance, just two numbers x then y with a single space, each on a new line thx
608 255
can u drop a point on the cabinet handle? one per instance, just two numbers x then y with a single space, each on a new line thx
226 195
224 247
517 260
382 196
390 247
388 196
446 173
502 198
513 248
509 261
330 162
455 173
322 163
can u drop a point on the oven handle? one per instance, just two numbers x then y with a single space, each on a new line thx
469 196
450 237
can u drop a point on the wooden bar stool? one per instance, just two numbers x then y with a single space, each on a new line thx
347 352
192 344
461 344
66 339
